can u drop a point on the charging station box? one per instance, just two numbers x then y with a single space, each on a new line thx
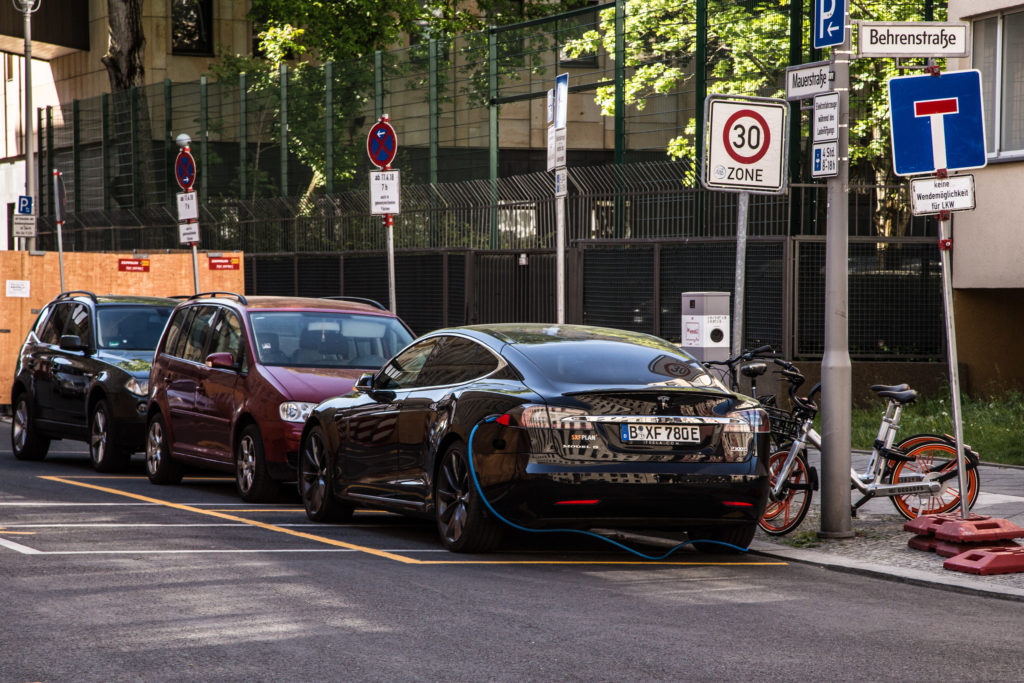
705 325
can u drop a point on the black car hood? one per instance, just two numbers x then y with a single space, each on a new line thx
135 363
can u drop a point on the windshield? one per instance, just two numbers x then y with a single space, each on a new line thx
130 328
322 339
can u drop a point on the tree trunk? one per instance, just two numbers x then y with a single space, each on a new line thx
125 44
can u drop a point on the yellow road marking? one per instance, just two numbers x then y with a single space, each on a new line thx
5 532
236 518
383 553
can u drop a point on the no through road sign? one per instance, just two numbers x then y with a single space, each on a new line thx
745 147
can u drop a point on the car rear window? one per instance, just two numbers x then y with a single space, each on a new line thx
324 339
615 364
134 328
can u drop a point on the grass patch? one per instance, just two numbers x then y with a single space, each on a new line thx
993 426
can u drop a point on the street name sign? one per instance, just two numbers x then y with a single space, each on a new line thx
936 122
913 39
808 80
935 195
746 144
826 118
385 193
829 23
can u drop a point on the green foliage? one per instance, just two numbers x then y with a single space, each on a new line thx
992 425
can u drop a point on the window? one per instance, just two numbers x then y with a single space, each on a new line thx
80 324
456 360
198 333
192 27
998 52
53 326
227 334
571 29
402 371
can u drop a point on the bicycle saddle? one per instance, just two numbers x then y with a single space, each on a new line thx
754 369
900 397
885 387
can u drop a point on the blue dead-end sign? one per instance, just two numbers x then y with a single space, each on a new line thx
937 122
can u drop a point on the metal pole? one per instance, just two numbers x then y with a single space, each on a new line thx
741 266
30 141
560 259
836 519
389 221
58 212
945 245
195 265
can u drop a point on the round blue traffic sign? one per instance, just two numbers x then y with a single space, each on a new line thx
185 170
382 144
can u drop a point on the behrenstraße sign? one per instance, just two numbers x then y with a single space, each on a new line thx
912 39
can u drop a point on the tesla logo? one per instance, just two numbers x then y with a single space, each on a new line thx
663 403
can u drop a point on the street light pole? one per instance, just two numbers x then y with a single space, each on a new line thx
27 7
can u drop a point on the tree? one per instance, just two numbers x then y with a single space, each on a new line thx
125 45
747 53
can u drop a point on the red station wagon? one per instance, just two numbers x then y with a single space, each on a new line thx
234 378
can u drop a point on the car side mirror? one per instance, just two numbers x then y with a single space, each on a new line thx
365 382
72 342
221 360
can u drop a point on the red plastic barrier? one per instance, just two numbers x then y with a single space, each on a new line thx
988 561
927 524
978 530
951 549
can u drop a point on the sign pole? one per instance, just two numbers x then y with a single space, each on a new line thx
195 265
58 206
741 265
389 223
836 370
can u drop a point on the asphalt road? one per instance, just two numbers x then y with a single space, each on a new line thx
111 578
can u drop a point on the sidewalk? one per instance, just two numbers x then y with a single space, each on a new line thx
879 546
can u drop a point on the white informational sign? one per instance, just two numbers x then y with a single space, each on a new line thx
826 118
556 148
188 232
746 144
913 39
561 182
188 206
19 289
385 193
825 159
934 195
705 331
23 225
808 80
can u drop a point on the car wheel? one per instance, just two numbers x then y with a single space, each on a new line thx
26 443
106 454
160 468
462 522
251 479
738 538
316 480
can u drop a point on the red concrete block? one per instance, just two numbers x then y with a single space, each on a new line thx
951 549
925 542
927 524
978 530
988 561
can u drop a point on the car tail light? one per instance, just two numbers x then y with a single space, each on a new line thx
590 501
554 417
756 420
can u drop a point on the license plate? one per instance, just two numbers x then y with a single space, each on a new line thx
659 433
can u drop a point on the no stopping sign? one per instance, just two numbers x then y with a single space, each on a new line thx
745 147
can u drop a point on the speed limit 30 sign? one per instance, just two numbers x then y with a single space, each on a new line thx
746 144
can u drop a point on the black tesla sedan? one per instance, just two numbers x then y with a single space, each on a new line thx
541 426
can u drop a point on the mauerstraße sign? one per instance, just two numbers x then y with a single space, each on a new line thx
912 39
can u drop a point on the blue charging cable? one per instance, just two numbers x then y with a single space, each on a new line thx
479 489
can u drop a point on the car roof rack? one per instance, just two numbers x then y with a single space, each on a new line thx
72 293
235 295
358 299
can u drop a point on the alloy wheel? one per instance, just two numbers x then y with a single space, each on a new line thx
245 467
154 447
453 496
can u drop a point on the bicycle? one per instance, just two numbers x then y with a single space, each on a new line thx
922 468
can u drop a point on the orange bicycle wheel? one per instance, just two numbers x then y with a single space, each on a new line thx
782 516
930 459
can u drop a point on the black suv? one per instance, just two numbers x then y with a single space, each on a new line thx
83 374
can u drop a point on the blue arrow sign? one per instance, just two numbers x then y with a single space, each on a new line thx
937 122
829 23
